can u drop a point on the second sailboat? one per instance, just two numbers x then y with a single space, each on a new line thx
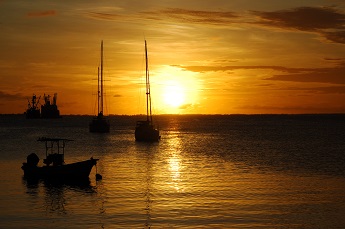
99 123
145 130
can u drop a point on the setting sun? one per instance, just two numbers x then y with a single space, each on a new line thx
178 90
174 94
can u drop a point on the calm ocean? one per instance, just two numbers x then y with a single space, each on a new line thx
230 171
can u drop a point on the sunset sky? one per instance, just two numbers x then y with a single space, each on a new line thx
205 56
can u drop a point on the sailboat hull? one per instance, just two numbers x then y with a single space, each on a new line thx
99 125
145 131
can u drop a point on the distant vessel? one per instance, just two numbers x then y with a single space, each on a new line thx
99 123
145 130
55 167
33 111
50 109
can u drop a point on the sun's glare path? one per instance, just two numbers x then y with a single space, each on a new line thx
175 162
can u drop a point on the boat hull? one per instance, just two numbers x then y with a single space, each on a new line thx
145 131
78 170
99 126
50 111
32 113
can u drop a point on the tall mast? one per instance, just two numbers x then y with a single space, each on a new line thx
101 110
98 91
148 94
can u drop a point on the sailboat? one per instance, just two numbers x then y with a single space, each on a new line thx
99 123
145 130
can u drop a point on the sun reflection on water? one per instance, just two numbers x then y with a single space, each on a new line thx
175 162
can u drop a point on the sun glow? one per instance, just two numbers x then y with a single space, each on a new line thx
174 94
178 90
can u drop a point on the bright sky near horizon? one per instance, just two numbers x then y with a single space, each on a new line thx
205 56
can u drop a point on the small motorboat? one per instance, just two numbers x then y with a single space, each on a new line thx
54 165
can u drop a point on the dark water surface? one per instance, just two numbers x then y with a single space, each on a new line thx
236 171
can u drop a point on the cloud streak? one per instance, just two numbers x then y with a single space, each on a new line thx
333 75
41 13
321 90
325 21
192 16
105 16
231 68
323 75
11 97
177 15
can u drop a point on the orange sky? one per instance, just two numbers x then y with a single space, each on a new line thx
209 57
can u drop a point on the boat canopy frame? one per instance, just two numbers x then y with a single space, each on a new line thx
50 142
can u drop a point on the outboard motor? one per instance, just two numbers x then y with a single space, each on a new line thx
32 159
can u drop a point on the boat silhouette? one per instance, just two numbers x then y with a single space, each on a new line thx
33 111
145 130
48 110
99 123
54 164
